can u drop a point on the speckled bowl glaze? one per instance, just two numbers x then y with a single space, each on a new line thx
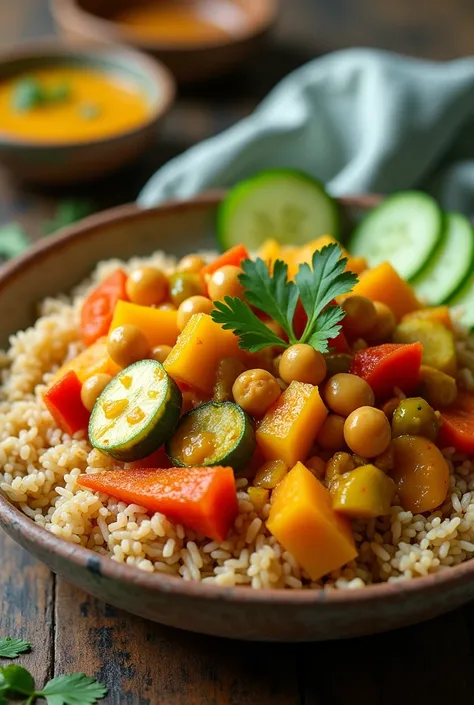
75 162
290 615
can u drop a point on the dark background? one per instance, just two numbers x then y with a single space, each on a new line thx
144 663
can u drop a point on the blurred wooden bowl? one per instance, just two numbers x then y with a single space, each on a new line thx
74 162
188 61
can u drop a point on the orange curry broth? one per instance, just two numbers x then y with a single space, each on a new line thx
118 104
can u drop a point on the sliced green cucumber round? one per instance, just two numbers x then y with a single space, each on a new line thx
404 229
450 264
136 413
287 206
464 300
216 433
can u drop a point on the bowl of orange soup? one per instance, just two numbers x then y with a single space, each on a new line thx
72 114
195 39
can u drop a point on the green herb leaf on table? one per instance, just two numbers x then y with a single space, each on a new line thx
68 212
315 286
11 648
76 689
235 315
13 240
16 679
273 294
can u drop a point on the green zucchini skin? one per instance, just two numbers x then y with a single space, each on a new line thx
237 455
162 422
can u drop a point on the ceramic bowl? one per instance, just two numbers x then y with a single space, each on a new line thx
91 19
57 264
75 162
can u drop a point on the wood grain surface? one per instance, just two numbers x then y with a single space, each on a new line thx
144 663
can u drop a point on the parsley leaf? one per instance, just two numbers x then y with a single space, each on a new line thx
320 284
11 648
273 294
315 286
235 315
76 689
16 679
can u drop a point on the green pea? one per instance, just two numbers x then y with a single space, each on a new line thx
415 417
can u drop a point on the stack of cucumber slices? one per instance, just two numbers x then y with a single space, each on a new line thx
431 249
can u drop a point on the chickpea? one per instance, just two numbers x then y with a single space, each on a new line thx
344 393
191 306
317 466
127 344
337 362
92 388
147 286
225 282
331 433
384 325
161 352
360 316
255 391
183 285
302 363
191 263
367 432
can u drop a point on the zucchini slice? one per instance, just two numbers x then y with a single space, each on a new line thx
404 229
136 413
216 433
285 205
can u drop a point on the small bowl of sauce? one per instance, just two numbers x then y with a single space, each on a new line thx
68 115
196 39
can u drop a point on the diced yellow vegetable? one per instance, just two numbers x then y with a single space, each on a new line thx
259 498
270 474
438 314
159 326
364 493
198 351
92 361
382 283
269 251
290 426
303 520
438 342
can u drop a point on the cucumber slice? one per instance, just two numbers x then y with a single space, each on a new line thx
136 413
464 299
216 433
405 230
450 264
279 204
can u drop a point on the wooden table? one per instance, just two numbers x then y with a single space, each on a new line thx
146 664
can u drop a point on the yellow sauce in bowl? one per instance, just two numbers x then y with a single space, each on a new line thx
61 104
183 21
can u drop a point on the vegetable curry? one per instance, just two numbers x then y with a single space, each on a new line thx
333 392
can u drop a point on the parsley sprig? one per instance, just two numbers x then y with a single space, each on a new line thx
316 286
17 682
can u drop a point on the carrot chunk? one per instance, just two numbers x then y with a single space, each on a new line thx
234 256
159 327
98 308
384 284
202 499
457 429
63 400
388 366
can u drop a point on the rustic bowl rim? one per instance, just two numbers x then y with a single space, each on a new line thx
162 583
101 27
40 50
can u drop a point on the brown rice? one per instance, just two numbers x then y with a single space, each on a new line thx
40 465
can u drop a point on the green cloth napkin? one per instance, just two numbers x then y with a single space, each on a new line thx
360 120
